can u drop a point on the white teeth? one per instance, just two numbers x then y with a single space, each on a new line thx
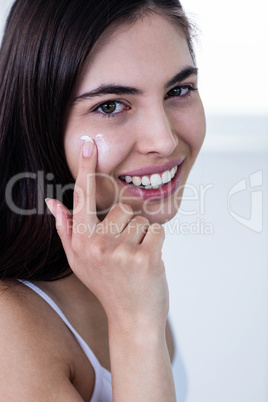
136 181
145 181
169 176
165 178
154 182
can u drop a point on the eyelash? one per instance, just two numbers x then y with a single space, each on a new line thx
190 89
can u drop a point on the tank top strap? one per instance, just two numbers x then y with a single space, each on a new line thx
101 373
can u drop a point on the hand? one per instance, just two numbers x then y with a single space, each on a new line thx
118 259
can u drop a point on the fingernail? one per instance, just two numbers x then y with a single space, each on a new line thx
46 200
88 146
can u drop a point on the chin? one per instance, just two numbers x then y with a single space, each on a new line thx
160 218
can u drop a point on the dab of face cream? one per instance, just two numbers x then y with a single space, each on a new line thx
102 145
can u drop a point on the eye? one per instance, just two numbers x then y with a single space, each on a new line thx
180 91
111 107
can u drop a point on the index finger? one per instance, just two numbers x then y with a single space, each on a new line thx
154 237
84 209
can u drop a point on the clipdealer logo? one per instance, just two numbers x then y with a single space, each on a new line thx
253 193
195 201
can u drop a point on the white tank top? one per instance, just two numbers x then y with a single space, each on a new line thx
103 381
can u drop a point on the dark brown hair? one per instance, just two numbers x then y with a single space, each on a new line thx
45 46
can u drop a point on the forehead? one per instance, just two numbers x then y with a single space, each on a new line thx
151 47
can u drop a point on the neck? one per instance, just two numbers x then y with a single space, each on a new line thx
68 290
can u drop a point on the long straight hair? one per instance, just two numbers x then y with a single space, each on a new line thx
45 46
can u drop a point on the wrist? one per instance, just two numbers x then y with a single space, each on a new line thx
137 331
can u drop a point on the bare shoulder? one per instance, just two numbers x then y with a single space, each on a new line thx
35 348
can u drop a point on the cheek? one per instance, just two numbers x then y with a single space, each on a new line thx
72 148
109 150
194 129
104 148
112 150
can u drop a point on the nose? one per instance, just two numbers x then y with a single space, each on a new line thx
155 133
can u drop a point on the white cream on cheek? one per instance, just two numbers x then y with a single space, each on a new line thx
102 145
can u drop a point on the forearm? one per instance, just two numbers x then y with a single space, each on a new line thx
141 368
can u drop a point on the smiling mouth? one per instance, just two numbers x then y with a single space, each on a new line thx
152 182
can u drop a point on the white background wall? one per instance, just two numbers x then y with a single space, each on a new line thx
218 282
4 9
232 54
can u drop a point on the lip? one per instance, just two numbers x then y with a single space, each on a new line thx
154 169
162 193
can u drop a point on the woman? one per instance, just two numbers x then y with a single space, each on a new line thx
100 115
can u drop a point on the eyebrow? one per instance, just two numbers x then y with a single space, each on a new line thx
181 76
108 89
126 90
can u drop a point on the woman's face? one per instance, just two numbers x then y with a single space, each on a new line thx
137 99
